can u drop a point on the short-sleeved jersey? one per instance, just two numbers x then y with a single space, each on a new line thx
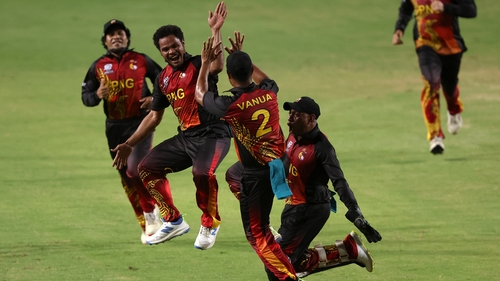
439 30
253 115
176 88
313 162
126 80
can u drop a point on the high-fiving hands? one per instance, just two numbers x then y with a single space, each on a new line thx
216 19
209 52
236 44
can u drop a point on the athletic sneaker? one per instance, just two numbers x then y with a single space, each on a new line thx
168 230
153 223
276 234
362 256
454 123
206 238
437 145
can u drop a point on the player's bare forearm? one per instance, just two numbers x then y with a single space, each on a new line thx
217 65
258 75
202 83
207 57
147 126
216 21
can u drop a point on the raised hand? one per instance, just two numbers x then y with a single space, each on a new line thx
237 44
216 19
209 53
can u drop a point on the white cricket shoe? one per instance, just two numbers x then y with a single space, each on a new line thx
454 123
363 259
437 145
153 223
206 237
168 230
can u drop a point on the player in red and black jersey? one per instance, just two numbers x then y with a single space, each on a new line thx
312 164
439 47
202 142
118 79
253 114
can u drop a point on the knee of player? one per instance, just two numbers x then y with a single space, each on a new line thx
133 172
202 175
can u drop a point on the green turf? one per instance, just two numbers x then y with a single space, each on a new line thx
64 216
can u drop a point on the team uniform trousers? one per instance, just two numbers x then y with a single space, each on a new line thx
255 149
118 131
300 224
256 201
438 70
203 149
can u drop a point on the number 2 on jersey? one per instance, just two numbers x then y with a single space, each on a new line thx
265 118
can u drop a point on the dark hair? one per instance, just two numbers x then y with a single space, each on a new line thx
239 66
103 38
165 31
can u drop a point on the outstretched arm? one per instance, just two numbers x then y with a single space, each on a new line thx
147 126
215 21
209 53
405 13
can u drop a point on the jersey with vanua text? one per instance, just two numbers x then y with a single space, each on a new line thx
253 114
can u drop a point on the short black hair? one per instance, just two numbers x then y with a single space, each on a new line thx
103 38
239 66
165 31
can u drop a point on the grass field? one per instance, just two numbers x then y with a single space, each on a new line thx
63 213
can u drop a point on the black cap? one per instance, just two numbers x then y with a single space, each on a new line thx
113 23
303 104
239 65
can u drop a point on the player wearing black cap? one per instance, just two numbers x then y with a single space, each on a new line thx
312 163
253 114
118 79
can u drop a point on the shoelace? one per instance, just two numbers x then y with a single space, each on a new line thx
205 231
150 217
